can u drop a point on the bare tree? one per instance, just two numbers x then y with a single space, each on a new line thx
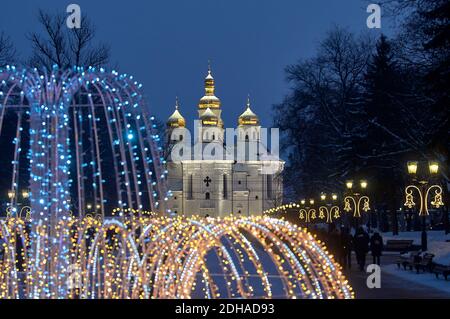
64 47
7 50
322 115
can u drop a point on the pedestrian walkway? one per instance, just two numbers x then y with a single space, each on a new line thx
392 287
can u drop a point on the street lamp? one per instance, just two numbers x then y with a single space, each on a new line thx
425 188
412 168
361 202
307 212
25 194
11 194
349 184
329 209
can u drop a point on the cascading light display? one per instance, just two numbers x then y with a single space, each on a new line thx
82 142
148 257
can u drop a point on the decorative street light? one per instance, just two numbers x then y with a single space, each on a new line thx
426 186
361 202
307 212
25 194
329 209
323 210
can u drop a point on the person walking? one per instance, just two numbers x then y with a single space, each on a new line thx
361 245
376 247
345 253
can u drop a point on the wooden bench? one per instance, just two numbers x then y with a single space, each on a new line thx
398 245
443 270
425 263
408 261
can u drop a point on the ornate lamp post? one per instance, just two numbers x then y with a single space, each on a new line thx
307 212
329 208
326 210
425 186
360 201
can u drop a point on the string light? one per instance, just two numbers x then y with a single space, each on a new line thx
140 256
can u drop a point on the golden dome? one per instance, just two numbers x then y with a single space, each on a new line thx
208 118
248 117
209 100
176 119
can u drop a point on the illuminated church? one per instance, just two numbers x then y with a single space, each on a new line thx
220 172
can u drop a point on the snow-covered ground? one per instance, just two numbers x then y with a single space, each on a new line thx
437 245
416 236
425 279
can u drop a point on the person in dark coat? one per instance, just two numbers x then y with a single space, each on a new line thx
345 253
361 245
376 246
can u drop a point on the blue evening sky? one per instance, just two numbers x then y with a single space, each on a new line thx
166 44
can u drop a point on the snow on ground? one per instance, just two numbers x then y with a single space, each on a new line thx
437 243
425 279
441 252
416 236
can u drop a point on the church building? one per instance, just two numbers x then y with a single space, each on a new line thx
220 174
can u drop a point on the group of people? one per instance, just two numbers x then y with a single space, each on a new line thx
341 243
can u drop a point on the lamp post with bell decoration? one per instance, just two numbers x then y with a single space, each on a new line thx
428 190
356 200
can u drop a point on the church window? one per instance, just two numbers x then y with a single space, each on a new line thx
225 187
269 186
207 196
190 184
246 137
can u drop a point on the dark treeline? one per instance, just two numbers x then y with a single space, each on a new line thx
362 107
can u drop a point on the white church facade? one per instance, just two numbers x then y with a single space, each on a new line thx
220 174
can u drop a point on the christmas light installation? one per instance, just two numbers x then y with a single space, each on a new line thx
83 145
72 150
146 257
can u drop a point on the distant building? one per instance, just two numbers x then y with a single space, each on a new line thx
239 178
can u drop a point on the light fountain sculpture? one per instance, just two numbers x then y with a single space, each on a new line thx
82 140
85 139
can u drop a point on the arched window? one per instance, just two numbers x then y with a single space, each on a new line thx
246 137
225 187
207 196
214 137
190 187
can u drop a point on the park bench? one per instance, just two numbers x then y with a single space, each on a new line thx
424 263
443 270
399 245
408 260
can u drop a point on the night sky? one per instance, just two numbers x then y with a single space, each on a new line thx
166 44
